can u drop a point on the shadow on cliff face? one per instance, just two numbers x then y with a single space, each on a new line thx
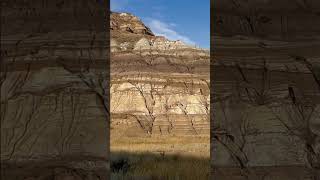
132 166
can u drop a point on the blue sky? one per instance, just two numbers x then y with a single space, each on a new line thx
186 20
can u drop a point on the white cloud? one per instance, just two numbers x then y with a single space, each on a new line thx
173 25
166 29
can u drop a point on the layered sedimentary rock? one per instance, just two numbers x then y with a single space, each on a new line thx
158 86
129 33
126 22
266 90
54 118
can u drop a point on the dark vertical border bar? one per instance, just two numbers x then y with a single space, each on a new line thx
107 29
211 89
55 78
265 98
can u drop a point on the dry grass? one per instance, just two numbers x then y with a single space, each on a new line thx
153 166
160 157
196 146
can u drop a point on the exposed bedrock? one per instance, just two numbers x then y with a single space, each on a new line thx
161 94
162 106
158 86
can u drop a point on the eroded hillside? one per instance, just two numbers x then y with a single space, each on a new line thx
158 86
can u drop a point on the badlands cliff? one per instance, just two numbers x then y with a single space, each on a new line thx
158 86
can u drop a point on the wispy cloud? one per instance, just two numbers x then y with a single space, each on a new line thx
159 27
167 29
118 5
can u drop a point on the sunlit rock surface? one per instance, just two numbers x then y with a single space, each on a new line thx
158 86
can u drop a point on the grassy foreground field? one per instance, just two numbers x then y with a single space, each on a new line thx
160 158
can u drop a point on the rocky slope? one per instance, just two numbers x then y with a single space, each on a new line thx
158 86
128 33
126 22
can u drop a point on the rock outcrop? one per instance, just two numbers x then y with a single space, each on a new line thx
126 22
160 44
158 86
132 35
142 44
163 44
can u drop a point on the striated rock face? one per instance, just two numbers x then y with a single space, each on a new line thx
266 90
126 22
160 44
158 86
163 44
283 19
131 34
161 103
53 123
